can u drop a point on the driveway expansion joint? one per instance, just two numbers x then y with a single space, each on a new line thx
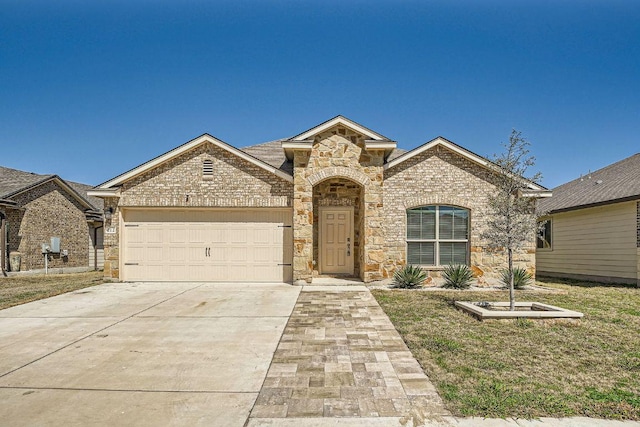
95 332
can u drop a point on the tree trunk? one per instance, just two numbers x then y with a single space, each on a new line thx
512 296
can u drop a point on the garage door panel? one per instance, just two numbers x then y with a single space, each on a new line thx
237 234
154 254
178 254
178 234
213 245
263 254
218 236
154 234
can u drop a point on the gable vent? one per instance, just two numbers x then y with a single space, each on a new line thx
207 169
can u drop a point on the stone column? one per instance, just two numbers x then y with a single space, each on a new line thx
111 242
302 220
374 251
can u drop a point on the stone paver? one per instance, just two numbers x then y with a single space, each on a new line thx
340 356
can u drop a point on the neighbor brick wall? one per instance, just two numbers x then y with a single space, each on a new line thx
180 183
48 211
441 177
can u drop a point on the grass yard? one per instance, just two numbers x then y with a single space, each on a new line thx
21 289
522 368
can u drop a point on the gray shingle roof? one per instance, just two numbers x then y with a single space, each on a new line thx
13 181
272 153
616 182
82 189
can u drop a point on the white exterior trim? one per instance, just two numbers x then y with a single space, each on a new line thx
107 192
298 145
339 120
456 149
379 145
535 194
186 147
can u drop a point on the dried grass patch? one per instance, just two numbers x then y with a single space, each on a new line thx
18 290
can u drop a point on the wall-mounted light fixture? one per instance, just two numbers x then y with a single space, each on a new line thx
108 213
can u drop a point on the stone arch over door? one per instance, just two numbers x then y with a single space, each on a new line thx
341 194
339 172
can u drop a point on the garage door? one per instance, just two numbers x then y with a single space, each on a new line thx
207 245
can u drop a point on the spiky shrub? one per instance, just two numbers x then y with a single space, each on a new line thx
409 276
457 276
521 277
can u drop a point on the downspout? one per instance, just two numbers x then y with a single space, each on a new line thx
3 245
95 249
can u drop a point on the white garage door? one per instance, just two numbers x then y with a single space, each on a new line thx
207 245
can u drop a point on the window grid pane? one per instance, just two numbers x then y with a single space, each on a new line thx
440 224
453 253
421 253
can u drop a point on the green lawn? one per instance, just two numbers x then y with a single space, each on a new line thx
523 368
21 289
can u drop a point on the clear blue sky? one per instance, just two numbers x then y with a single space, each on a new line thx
90 89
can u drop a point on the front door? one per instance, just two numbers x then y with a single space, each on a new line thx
336 240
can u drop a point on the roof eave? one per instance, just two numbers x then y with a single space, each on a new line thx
60 182
104 192
339 120
596 204
469 155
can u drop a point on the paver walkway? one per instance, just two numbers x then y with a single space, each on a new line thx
340 356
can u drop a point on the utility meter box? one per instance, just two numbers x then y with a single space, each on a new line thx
55 245
46 248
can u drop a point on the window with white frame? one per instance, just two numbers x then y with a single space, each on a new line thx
437 235
544 234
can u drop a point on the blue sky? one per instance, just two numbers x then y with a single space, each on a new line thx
89 90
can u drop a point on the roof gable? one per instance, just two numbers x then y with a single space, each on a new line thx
203 139
338 120
14 182
617 182
451 146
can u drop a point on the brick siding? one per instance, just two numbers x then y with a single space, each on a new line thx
441 177
48 211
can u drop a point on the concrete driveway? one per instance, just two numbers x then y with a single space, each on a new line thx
141 354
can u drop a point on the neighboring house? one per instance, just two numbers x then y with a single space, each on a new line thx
592 226
34 208
337 199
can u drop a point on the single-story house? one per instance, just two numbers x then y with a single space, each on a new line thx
34 209
592 226
336 199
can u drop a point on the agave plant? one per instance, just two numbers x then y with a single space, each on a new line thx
409 276
457 276
521 277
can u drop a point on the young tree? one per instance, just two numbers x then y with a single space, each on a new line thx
512 222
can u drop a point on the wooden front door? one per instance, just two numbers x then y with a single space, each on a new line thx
336 240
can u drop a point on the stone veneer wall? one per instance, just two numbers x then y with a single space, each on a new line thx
179 182
47 211
441 177
338 153
338 192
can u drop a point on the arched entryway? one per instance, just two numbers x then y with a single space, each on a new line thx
338 228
